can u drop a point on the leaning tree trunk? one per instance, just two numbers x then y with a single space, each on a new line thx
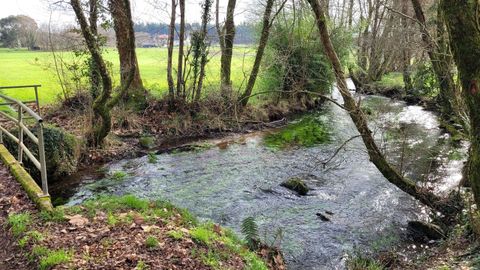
227 53
123 26
462 19
360 121
260 51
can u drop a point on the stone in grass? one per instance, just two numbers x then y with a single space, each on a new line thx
147 142
296 184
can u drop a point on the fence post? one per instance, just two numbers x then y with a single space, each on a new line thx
43 165
36 100
20 134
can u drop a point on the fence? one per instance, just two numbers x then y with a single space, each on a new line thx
21 117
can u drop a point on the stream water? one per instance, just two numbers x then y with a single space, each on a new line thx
241 177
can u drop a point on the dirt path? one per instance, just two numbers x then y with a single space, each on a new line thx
12 200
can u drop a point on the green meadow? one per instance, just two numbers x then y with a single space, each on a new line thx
22 67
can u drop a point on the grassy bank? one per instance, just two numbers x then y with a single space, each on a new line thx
127 233
23 67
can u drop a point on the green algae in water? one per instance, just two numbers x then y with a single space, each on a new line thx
307 132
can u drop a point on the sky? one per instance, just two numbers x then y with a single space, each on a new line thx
143 10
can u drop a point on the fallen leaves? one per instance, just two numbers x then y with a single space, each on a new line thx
77 220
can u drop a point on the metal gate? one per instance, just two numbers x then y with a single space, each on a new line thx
22 116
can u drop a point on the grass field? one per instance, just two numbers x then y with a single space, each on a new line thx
22 67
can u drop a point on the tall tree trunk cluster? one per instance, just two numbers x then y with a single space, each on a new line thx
125 36
104 102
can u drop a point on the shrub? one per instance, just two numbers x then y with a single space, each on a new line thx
295 60
62 152
250 231
425 82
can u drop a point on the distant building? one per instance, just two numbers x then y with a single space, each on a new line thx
145 40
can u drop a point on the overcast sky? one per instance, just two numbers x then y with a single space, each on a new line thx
142 10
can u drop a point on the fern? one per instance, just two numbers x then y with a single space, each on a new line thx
250 231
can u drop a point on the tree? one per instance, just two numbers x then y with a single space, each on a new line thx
406 54
18 31
171 39
95 76
181 48
266 25
125 35
461 17
360 121
103 104
440 59
200 50
227 37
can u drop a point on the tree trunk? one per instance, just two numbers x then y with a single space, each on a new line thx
204 50
260 51
461 17
226 58
406 55
95 77
181 48
350 14
103 104
124 33
358 117
101 122
440 67
171 39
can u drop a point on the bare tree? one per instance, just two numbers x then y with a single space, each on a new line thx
359 119
266 25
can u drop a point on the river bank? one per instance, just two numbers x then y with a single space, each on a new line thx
156 129
117 233
241 177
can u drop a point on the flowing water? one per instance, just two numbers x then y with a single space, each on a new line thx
241 177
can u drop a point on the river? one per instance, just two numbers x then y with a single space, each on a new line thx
241 177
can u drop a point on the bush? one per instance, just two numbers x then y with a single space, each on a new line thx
424 80
295 60
62 152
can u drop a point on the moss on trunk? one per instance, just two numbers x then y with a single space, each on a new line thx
462 18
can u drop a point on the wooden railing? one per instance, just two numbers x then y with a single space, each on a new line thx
23 115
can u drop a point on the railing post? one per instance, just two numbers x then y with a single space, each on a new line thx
36 100
41 153
20 134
